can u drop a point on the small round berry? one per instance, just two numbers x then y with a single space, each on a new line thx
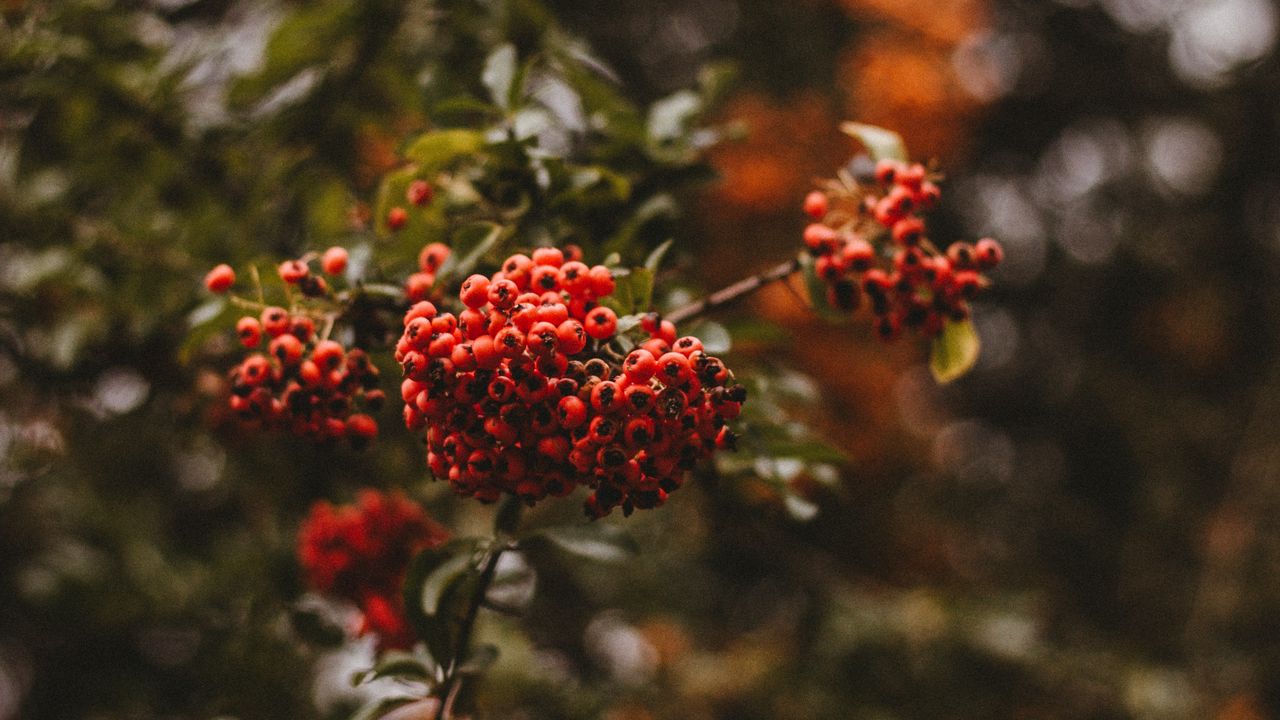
334 260
220 279
361 429
249 330
503 293
293 271
423 309
886 170
816 205
418 286
819 238
432 257
396 218
275 320
640 365
287 349
602 283
573 337
988 253
553 257
908 231
859 256
601 323
419 193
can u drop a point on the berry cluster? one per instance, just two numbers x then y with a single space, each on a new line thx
419 285
527 391
360 553
870 240
304 385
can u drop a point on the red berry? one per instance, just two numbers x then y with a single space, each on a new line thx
334 261
418 286
220 279
819 238
275 320
988 253
293 271
361 429
249 331
419 193
908 231
602 283
886 170
432 257
396 218
601 323
553 257
816 205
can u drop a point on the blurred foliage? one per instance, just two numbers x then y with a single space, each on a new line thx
1082 528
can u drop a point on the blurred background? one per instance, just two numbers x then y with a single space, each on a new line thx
1087 526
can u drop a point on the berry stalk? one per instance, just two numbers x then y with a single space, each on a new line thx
724 296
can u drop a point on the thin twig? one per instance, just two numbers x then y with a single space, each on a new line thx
746 286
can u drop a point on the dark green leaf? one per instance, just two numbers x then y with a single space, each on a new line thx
479 660
714 336
436 611
954 351
209 319
601 542
879 142
654 260
463 110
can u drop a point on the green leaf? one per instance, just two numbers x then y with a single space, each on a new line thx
469 245
440 580
597 541
499 75
954 351
479 660
654 260
397 665
463 110
382 706
816 289
879 142
212 317
714 336
437 590
434 151
670 117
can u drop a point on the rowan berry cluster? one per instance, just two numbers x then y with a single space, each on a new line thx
303 383
528 390
869 240
360 553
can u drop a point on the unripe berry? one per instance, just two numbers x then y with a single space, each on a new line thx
334 261
419 193
220 278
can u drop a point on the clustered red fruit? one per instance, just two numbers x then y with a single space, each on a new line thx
871 241
420 284
524 392
361 552
302 384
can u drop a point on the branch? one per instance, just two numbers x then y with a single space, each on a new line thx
746 286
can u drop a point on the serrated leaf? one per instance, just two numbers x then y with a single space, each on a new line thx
598 541
880 143
654 260
499 75
469 245
955 351
435 150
